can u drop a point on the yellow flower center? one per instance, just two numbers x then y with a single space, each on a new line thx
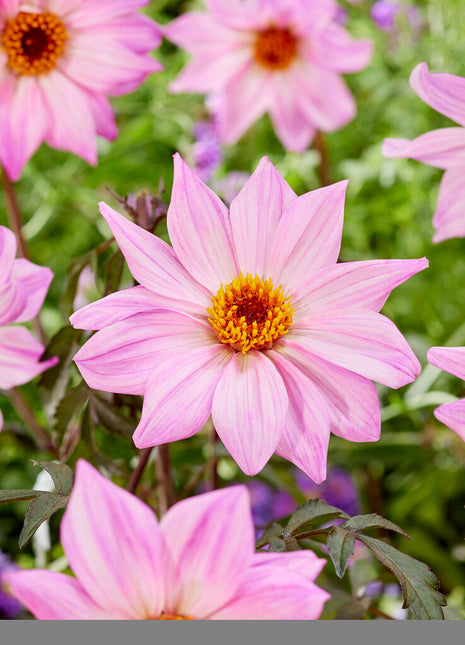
173 617
34 42
250 314
275 48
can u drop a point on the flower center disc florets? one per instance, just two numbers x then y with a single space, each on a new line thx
275 48
34 42
250 314
173 617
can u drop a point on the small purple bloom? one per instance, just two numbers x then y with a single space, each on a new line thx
206 150
337 490
9 606
383 14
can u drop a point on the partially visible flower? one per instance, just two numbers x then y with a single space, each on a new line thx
452 360
10 607
249 317
444 148
206 151
337 490
384 13
283 57
268 504
23 287
198 562
59 59
86 288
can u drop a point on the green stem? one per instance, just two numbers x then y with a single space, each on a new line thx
22 407
324 167
165 479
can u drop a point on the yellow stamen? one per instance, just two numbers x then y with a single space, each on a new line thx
275 48
173 617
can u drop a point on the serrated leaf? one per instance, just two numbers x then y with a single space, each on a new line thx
39 510
111 418
61 474
277 544
341 547
418 583
311 512
275 530
7 496
372 521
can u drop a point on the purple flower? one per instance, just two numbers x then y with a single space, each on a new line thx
338 490
9 606
206 150
383 14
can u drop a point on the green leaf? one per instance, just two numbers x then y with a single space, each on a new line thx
341 546
111 418
39 510
419 584
113 271
312 512
275 530
72 278
61 474
371 521
69 406
7 496
277 545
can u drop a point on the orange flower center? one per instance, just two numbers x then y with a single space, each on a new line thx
173 617
34 42
250 314
275 48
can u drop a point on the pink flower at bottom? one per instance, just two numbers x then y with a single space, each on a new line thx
59 59
198 562
23 287
452 360
444 148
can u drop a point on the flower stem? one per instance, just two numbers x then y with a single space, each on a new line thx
136 476
22 408
324 168
14 213
213 468
165 478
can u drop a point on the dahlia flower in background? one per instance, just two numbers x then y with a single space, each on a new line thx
9 606
23 287
59 59
190 565
444 148
452 360
284 57
247 317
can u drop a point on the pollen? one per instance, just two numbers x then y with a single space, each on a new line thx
250 314
34 42
275 48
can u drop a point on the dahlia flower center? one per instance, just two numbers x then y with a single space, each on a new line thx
250 314
173 617
275 48
34 42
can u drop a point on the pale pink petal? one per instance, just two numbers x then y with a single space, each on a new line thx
336 50
199 32
352 400
36 281
449 359
154 264
304 562
365 284
9 7
7 253
103 116
449 218
206 72
89 12
135 31
237 14
305 438
210 537
178 398
114 546
19 357
453 416
200 230
443 92
50 595
249 408
255 213
122 357
442 148
13 298
361 341
308 236
20 136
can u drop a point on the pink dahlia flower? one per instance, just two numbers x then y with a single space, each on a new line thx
284 57
452 360
247 317
58 61
197 562
23 287
444 148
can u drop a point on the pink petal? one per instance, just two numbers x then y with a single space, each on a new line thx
36 281
13 297
7 253
123 356
103 115
304 562
89 12
442 148
361 341
352 400
237 14
154 264
305 439
336 50
449 359
200 229
255 213
308 236
50 595
449 220
10 7
443 92
114 546
248 410
19 357
365 284
210 537
137 32
453 416
199 32
207 72
178 397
